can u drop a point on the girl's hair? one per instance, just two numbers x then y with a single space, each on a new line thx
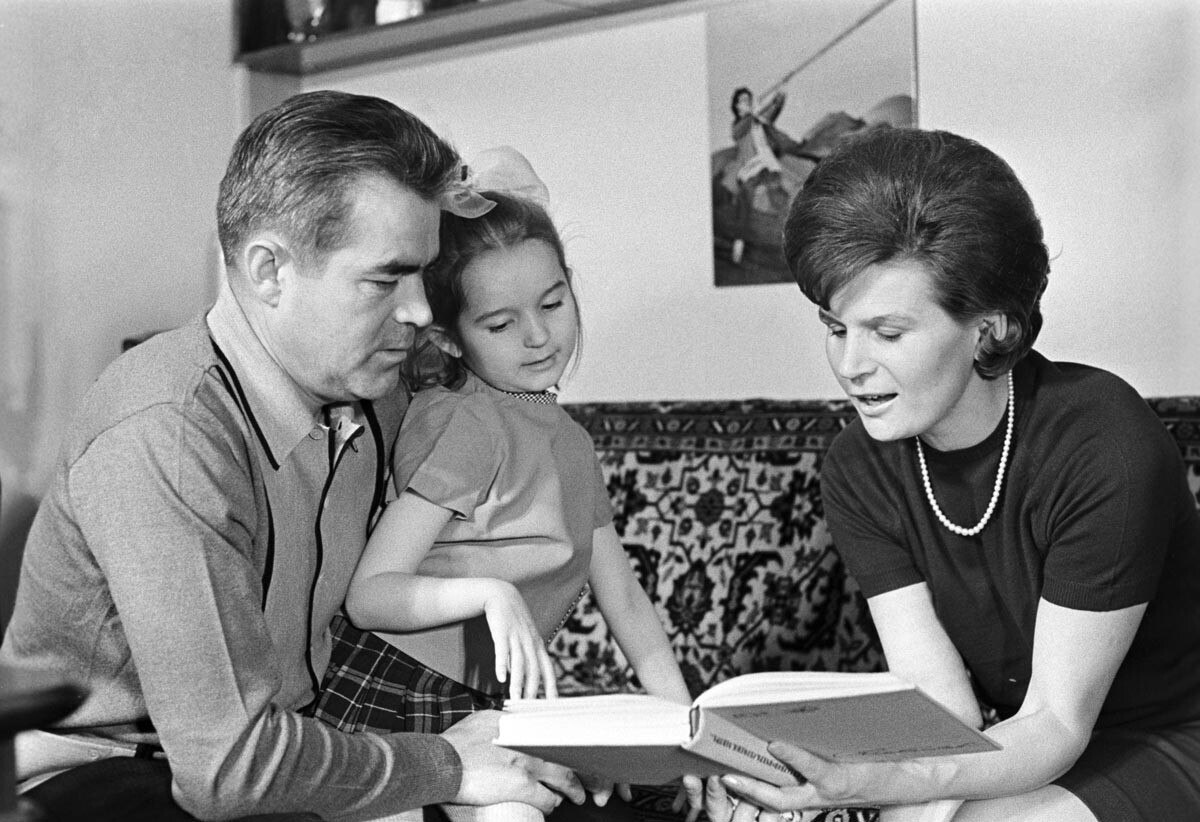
936 199
514 220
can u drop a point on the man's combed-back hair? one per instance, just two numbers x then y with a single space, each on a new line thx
292 167
933 198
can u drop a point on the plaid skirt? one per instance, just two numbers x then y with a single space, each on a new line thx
371 685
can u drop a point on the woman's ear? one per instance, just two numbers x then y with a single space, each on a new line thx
993 330
443 339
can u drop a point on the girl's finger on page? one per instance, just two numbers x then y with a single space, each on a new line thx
516 675
501 660
548 674
533 679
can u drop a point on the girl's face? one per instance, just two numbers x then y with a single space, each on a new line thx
519 326
905 363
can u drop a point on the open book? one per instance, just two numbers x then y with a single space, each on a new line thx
641 739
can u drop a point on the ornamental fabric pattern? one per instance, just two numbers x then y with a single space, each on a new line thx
718 506
1181 416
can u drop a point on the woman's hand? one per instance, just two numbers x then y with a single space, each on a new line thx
521 655
723 807
823 784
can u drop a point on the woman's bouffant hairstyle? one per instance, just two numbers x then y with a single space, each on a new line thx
933 198
514 220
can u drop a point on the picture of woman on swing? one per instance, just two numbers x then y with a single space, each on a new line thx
780 131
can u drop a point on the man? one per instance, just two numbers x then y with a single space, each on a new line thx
214 496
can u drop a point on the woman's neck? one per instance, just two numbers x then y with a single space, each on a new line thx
976 415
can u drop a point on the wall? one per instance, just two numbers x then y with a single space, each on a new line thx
623 144
116 119
1094 103
115 122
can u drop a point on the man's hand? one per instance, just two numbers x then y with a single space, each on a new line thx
493 774
521 656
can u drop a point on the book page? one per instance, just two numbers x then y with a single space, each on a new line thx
888 725
786 686
611 719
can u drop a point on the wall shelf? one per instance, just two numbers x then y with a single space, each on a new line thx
434 30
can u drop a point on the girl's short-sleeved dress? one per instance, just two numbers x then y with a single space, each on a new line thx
524 485
1095 514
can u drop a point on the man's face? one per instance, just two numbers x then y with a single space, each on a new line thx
342 325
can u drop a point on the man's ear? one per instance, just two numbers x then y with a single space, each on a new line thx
443 339
264 259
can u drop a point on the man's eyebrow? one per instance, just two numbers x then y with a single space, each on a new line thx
398 268
825 317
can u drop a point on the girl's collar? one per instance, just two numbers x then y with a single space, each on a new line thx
540 397
537 397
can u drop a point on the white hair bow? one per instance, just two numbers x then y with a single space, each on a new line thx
501 169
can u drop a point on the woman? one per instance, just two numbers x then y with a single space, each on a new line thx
1022 528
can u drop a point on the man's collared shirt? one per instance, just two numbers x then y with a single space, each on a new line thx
199 534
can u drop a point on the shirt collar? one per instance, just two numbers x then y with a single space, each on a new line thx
282 411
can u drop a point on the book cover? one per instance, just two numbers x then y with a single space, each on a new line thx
641 739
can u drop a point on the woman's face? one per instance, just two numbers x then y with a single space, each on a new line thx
906 364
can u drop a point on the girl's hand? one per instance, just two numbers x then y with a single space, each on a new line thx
521 656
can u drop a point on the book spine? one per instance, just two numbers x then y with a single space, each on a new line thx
721 741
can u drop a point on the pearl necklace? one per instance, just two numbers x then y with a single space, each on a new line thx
987 515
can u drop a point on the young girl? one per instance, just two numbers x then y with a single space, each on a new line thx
501 517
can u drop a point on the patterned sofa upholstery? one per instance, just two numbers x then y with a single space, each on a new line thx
718 504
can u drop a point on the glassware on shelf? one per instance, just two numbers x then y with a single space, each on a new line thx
306 19
393 11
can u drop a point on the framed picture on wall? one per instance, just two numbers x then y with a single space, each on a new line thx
787 79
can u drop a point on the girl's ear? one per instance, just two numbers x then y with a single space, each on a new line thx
444 340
